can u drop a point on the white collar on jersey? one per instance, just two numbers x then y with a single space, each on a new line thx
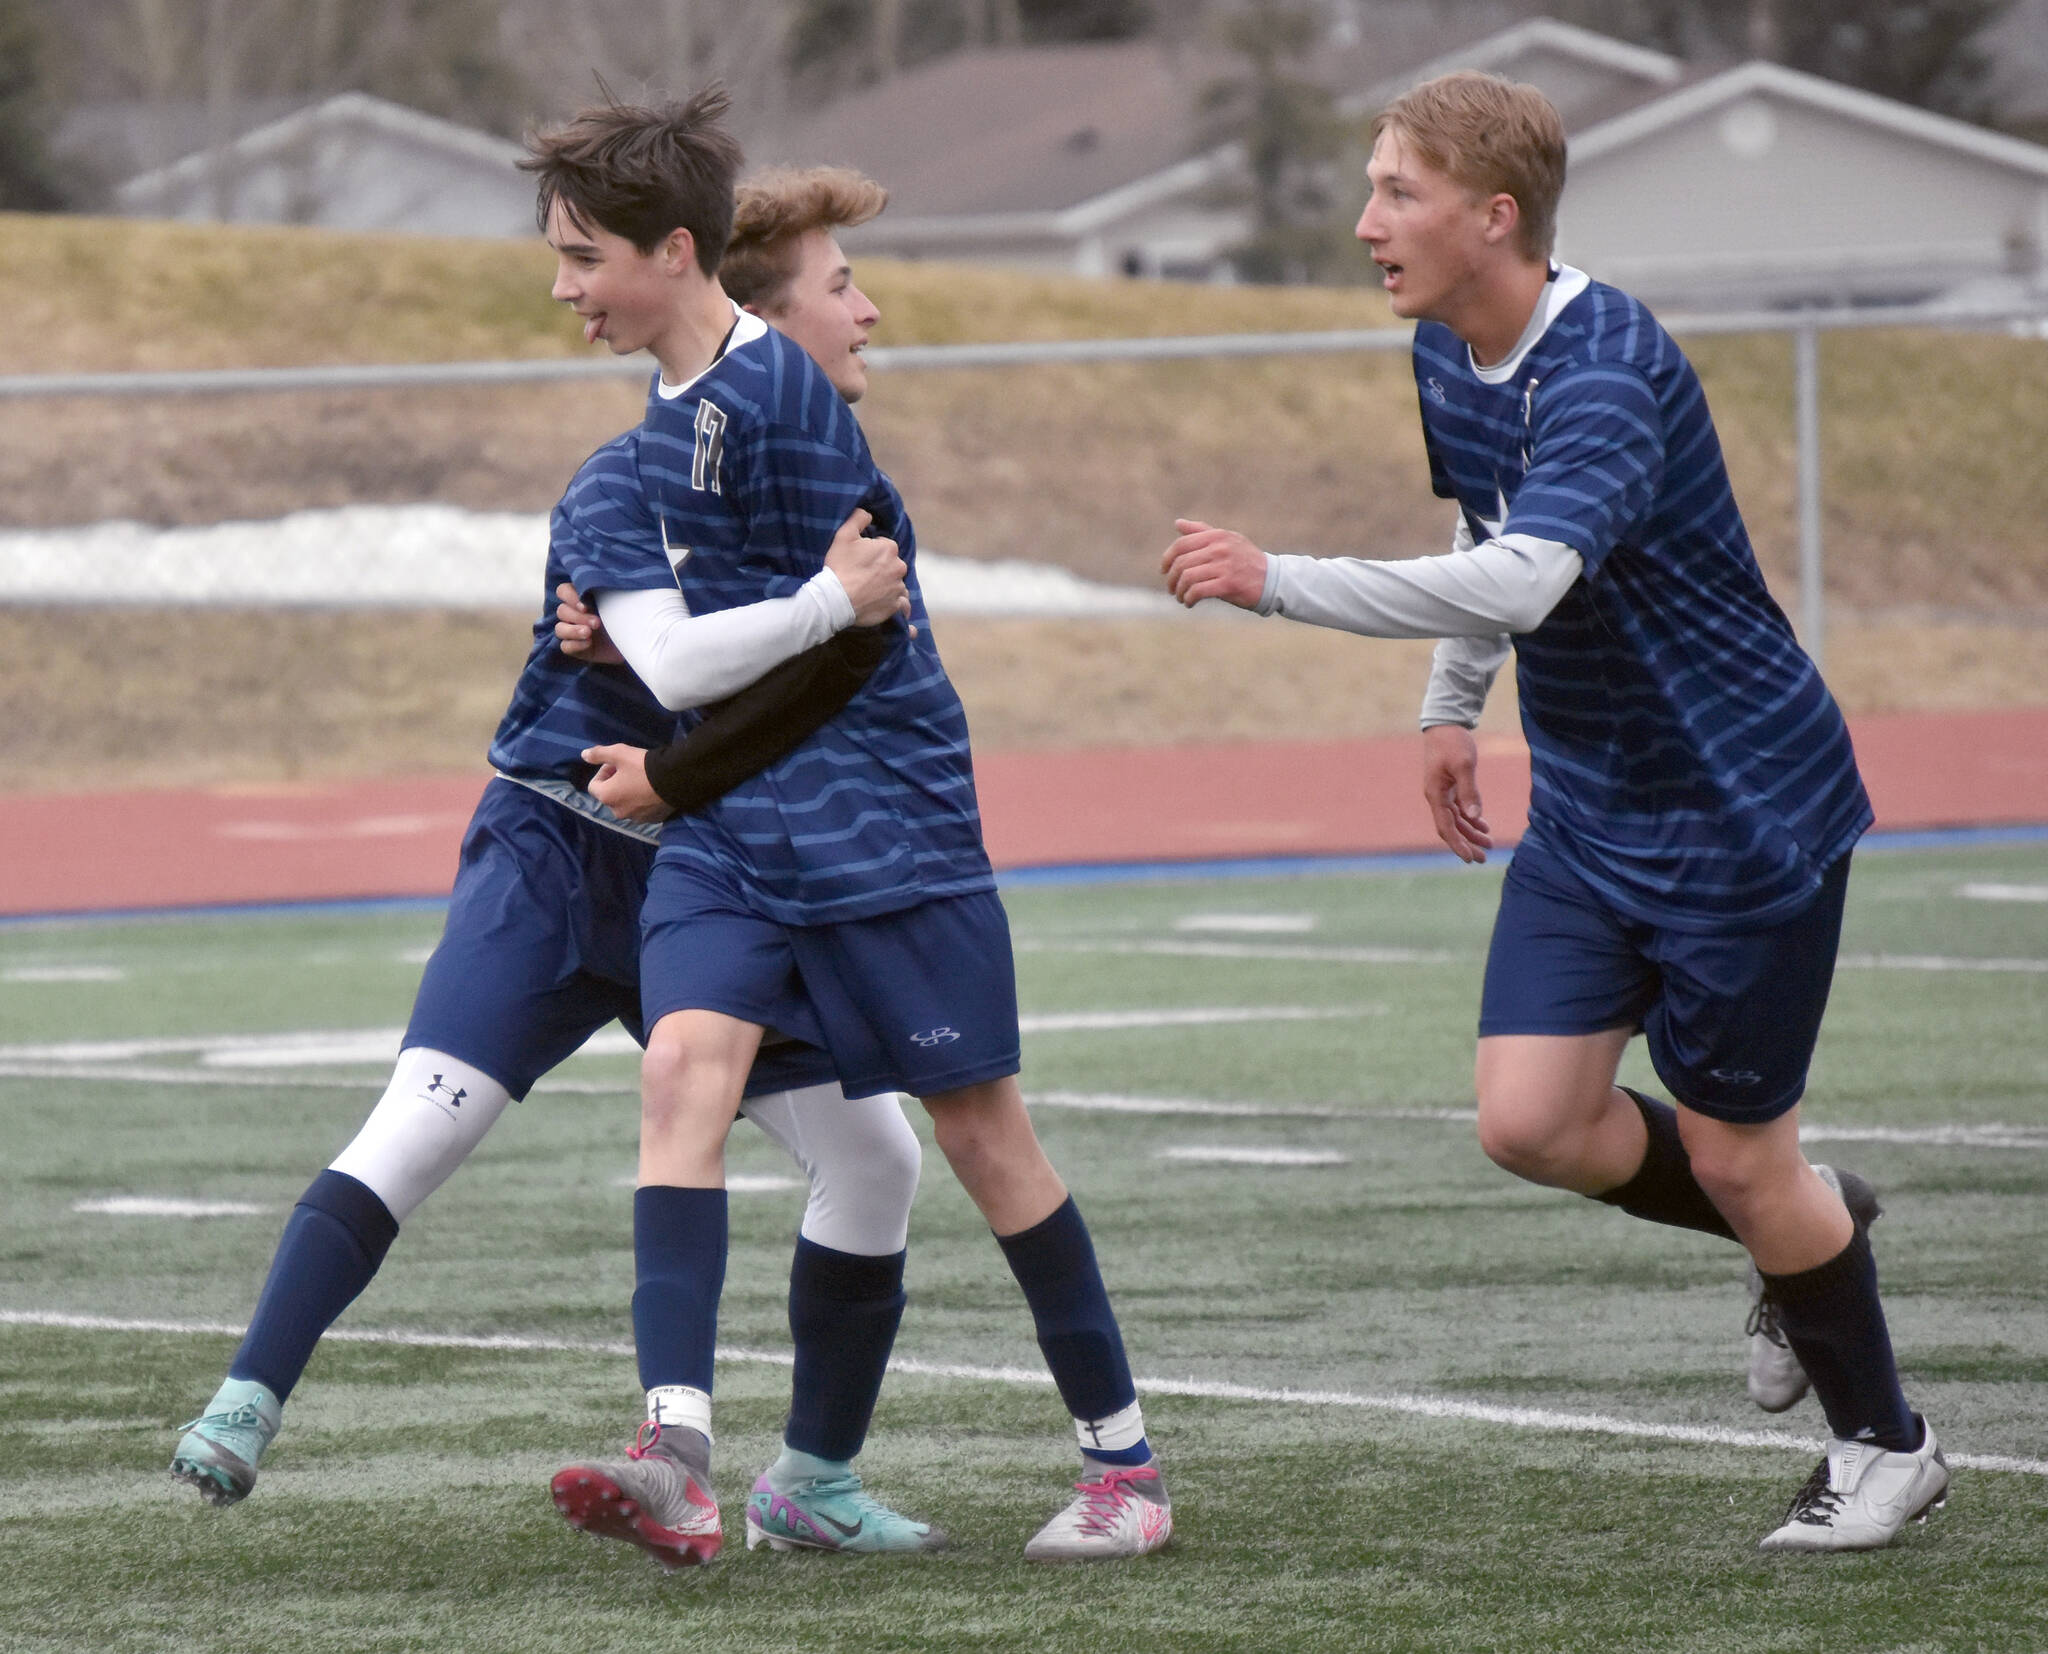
746 328
1565 284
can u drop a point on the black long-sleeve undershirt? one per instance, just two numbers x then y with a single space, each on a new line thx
743 734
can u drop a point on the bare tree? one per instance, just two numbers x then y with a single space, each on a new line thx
654 48
1002 22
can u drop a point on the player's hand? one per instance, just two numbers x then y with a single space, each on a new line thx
1213 562
621 784
1450 782
871 568
580 632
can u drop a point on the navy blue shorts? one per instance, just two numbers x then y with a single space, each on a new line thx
1730 1020
542 946
923 1000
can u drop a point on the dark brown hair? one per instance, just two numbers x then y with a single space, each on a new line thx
1493 136
777 207
641 173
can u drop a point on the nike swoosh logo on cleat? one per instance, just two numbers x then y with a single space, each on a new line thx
841 1528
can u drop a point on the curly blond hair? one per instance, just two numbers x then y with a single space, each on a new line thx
774 209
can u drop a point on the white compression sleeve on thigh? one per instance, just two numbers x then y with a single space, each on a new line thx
435 1110
862 1158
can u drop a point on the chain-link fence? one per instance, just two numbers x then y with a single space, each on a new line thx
1887 464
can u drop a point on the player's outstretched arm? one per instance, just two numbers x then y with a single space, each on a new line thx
1213 562
1450 783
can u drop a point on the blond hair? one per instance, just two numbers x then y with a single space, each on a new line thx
1493 136
774 210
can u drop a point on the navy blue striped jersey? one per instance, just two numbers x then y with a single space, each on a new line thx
744 475
1686 758
559 705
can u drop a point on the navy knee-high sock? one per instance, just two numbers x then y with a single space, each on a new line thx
333 1243
1834 1321
1663 1189
1054 1262
679 1272
843 1313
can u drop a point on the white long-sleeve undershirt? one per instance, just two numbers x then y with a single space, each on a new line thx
1470 599
687 660
1462 670
1506 584
1461 675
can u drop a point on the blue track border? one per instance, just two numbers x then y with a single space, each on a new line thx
1028 878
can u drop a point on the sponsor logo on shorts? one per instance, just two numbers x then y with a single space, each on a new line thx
935 1036
1736 1076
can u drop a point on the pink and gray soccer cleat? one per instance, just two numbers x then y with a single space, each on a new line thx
651 1498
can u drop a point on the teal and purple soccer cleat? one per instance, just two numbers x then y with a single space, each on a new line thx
220 1450
833 1515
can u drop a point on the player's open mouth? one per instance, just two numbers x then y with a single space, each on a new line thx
1391 272
593 328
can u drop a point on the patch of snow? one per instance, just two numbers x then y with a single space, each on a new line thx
428 556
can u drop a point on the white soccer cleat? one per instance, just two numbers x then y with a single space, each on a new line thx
1125 1513
1776 1380
1861 1495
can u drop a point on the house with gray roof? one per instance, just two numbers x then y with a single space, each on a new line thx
1763 186
1095 160
352 162
1754 185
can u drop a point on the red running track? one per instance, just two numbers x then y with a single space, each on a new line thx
84 852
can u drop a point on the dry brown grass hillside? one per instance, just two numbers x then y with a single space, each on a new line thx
1936 497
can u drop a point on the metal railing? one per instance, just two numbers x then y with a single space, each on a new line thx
1805 327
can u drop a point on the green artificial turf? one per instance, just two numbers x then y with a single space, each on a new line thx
1296 1320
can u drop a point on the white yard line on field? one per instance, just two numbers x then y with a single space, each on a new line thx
1223 1154
2003 892
344 1047
1307 952
1989 1135
1316 953
1938 962
1984 1135
1066 1022
1415 1406
167 1206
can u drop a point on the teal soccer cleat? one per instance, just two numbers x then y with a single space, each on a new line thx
220 1449
834 1515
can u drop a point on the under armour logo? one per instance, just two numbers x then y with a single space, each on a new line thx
935 1036
1437 392
454 1094
1736 1076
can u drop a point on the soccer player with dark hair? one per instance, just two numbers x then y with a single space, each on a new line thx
541 949
1694 795
842 897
